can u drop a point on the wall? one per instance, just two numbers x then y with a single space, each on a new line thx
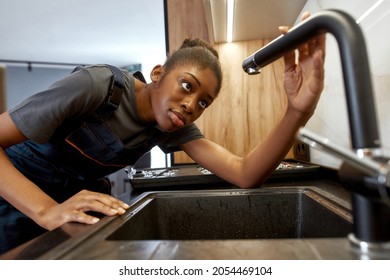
22 82
3 84
330 118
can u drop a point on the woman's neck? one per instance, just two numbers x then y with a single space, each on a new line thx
143 101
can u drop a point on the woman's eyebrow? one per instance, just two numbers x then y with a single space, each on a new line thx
194 77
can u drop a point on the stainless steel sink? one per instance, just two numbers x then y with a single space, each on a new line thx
282 212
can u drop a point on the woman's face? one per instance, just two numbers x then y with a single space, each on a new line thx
182 95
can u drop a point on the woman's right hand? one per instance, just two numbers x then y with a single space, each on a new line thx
76 207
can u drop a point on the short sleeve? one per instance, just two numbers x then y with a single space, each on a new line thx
76 94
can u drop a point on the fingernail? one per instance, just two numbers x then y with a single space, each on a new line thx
126 205
95 220
121 210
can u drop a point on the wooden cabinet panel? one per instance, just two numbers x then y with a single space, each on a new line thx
185 19
248 106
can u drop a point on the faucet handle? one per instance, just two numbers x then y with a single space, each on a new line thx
378 170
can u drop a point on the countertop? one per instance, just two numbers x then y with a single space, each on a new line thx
77 241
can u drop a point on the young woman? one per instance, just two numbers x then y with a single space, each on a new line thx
57 145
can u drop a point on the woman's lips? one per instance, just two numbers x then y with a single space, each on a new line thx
177 118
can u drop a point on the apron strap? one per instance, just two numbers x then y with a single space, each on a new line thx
116 87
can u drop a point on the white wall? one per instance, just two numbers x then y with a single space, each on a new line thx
330 119
22 82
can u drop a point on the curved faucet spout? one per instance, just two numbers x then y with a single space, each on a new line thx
355 66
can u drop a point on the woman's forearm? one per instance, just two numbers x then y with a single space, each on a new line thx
22 193
259 163
254 168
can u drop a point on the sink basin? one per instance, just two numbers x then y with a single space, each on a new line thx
277 212
272 222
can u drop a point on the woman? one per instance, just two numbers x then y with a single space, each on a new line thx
55 146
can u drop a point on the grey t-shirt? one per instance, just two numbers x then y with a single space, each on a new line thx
81 93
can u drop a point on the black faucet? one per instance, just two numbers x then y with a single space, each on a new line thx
370 193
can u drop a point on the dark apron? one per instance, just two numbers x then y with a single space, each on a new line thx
78 156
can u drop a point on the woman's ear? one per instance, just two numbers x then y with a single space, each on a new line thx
156 73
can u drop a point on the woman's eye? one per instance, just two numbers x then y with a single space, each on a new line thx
186 86
203 104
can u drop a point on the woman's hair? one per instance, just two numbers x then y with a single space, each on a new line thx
198 53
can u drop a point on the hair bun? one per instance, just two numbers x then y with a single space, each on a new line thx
191 43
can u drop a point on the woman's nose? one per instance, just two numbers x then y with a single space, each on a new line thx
189 104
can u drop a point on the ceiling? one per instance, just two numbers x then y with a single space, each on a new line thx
253 19
120 32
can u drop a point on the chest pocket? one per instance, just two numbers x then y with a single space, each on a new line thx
95 140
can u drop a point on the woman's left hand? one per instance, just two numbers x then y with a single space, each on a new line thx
304 75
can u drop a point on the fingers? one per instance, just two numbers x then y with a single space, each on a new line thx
283 29
304 50
304 72
320 44
289 58
102 203
313 45
81 217
305 15
75 208
290 62
318 74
